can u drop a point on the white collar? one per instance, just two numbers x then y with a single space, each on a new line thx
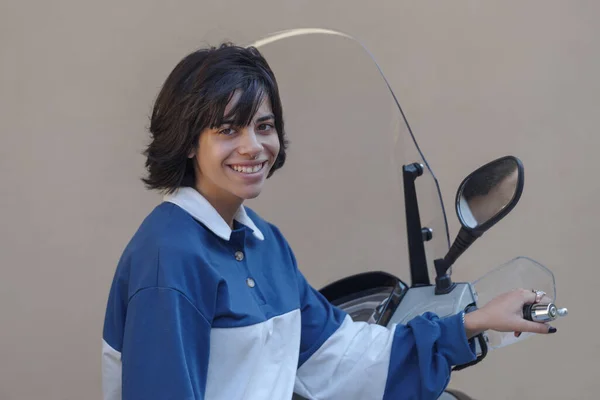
198 207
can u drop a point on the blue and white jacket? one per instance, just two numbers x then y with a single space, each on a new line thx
200 311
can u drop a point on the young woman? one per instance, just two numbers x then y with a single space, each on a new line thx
207 301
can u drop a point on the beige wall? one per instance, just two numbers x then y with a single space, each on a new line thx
76 83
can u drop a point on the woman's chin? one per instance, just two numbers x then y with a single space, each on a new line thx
249 193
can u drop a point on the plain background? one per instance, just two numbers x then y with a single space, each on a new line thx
478 80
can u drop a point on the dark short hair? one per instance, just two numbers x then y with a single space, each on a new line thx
484 180
194 97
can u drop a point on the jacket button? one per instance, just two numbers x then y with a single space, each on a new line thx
250 282
239 255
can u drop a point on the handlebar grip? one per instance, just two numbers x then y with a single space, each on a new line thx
527 314
542 312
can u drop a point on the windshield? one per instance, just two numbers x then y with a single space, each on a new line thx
339 198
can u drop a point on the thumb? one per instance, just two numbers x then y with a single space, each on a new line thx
536 327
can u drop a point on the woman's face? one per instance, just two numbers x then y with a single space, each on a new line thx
232 163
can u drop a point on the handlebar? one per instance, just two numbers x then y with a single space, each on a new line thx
543 312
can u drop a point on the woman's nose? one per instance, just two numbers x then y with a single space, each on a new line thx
250 143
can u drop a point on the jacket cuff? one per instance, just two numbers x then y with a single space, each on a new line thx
458 349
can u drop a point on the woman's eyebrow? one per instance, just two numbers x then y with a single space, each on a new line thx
265 118
260 119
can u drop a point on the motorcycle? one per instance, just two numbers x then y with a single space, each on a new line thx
353 163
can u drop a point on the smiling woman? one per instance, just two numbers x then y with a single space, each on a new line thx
208 302
217 126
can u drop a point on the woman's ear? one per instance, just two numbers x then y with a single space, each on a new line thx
194 148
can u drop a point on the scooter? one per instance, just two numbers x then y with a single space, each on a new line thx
329 77
382 298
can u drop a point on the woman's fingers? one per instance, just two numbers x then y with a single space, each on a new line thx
546 300
530 297
534 327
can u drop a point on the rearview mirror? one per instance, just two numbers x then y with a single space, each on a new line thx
483 198
489 193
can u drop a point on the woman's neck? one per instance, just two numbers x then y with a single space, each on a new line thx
226 204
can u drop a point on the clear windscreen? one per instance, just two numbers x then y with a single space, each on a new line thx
339 198
521 272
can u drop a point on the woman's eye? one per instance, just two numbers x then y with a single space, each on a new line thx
226 131
265 127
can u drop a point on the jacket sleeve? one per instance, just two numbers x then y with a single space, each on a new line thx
343 359
165 347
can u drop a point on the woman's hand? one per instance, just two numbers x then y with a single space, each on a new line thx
505 314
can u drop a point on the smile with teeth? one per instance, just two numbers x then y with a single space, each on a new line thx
248 169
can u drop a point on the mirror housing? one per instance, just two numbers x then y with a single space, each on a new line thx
483 198
488 194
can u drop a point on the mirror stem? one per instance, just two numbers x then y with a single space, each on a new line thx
462 242
443 281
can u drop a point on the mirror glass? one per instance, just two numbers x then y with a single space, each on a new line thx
488 191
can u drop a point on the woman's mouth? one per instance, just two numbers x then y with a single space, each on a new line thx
248 169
